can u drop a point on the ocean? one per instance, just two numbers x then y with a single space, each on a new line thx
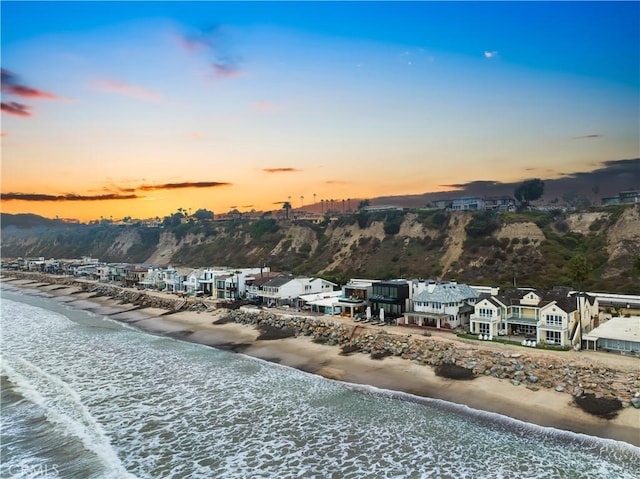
84 396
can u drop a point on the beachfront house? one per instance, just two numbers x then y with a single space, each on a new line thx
617 334
446 304
391 296
355 297
174 278
191 283
556 317
489 316
285 290
255 283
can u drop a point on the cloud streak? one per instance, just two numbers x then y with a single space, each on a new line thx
131 192
15 108
281 170
586 137
490 54
122 88
176 186
11 86
68 197
214 44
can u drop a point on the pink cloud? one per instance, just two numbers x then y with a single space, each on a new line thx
15 108
265 106
226 70
11 86
121 88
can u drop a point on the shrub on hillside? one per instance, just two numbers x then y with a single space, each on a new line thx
482 223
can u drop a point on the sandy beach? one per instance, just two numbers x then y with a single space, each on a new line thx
545 407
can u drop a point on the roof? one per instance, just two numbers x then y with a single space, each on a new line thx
321 299
263 278
447 293
622 329
277 282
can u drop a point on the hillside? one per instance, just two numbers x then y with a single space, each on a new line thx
533 248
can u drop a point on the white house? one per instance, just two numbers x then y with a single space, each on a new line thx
286 290
489 316
551 317
191 283
442 305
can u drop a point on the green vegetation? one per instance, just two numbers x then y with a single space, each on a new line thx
338 251
482 223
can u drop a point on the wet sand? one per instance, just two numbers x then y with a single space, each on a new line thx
544 407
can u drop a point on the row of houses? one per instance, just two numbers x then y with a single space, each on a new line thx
624 197
475 203
556 317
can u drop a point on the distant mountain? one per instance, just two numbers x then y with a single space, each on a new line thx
27 220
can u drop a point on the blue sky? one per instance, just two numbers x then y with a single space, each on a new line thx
139 107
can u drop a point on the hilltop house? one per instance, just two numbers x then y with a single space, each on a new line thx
442 305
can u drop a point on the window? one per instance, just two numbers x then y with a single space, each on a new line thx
485 312
553 337
483 328
553 320
436 305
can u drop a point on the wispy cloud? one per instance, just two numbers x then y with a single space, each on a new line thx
15 108
213 42
586 137
281 170
265 106
122 88
335 182
226 69
490 54
130 192
176 186
67 197
12 86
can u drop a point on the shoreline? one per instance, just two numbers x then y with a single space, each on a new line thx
544 407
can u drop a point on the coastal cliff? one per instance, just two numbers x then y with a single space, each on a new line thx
533 248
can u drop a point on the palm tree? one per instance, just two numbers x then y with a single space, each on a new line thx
286 206
301 201
314 198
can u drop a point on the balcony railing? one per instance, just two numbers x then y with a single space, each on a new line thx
491 319
522 319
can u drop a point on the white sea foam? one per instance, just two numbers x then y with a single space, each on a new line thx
64 407
173 409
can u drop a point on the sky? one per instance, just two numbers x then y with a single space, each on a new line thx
113 109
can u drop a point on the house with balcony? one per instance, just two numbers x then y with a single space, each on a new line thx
489 316
191 283
500 203
285 290
556 317
255 283
473 203
446 304
392 296
355 297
